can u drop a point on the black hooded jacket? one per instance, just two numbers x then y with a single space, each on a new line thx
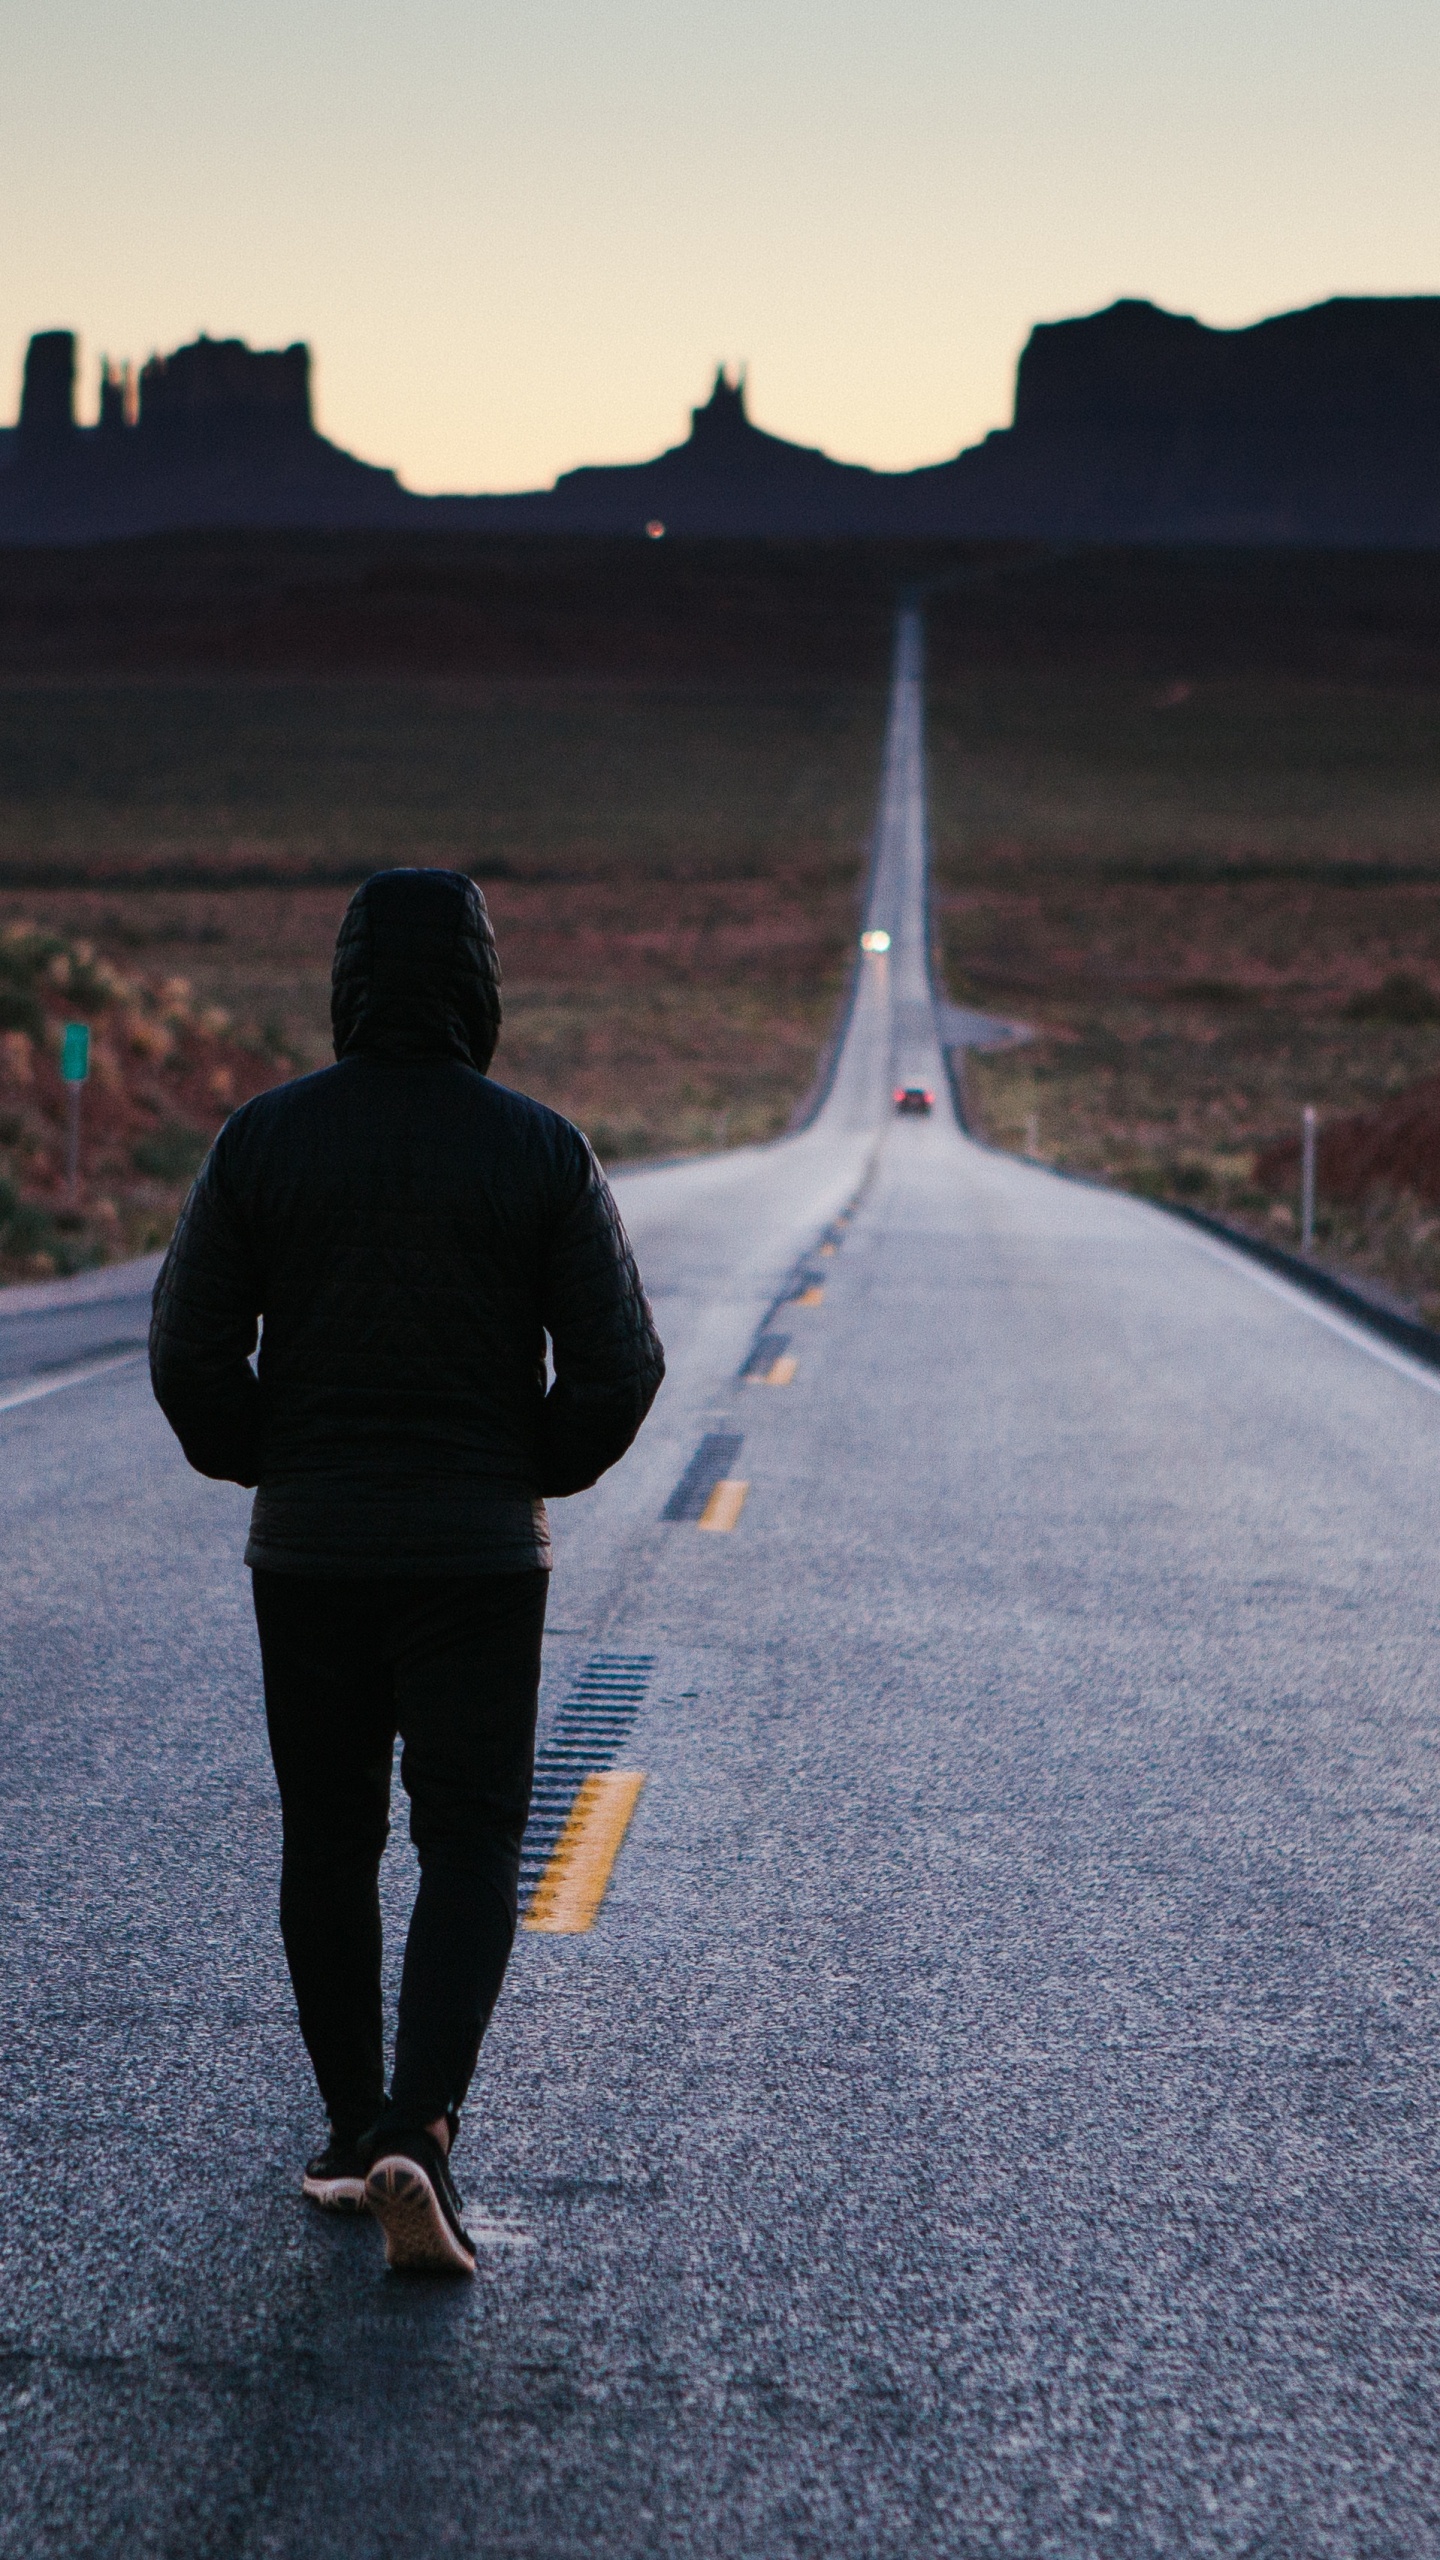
409 1232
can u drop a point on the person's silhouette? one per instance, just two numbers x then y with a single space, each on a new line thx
407 1233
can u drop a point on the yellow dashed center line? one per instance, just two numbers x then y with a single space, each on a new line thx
814 1296
781 1371
725 1505
572 1888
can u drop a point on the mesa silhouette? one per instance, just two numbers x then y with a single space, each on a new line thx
1131 425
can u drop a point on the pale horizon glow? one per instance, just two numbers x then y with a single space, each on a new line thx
521 238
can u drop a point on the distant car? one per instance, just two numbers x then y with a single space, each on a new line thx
914 1097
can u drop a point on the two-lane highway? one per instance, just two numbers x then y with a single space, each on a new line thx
995 2110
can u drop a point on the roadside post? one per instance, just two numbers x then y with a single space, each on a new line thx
74 1068
1307 1178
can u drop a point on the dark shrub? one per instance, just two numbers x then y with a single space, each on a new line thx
1210 991
173 1153
26 1228
1398 998
20 1009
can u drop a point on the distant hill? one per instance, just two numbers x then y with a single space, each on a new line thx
1131 425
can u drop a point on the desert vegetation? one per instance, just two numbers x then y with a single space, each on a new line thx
164 1070
1216 896
1186 819
672 872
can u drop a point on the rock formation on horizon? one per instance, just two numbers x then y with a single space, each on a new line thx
216 434
1131 425
1320 425
46 424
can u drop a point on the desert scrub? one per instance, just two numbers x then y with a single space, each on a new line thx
673 869
1213 911
165 1069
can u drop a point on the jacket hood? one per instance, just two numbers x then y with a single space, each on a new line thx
416 973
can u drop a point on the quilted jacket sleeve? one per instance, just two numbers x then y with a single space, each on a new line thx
607 1353
203 1329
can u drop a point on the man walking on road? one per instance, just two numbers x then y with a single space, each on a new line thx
409 1233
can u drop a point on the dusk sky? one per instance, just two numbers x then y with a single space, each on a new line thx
519 234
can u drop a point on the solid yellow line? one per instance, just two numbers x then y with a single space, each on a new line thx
725 1504
814 1296
572 1888
782 1370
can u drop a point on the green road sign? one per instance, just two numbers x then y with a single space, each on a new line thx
75 1053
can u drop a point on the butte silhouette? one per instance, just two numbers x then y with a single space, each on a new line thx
1131 425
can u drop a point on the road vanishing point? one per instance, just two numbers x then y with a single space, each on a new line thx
994 2109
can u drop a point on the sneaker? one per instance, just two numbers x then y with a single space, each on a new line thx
412 2195
335 2178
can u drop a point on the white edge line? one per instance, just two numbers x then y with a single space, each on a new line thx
72 1378
1294 1295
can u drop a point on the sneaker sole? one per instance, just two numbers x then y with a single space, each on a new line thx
335 2195
418 2236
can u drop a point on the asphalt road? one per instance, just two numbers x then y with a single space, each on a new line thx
995 2111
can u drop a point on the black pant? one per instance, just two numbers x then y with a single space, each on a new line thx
453 1666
